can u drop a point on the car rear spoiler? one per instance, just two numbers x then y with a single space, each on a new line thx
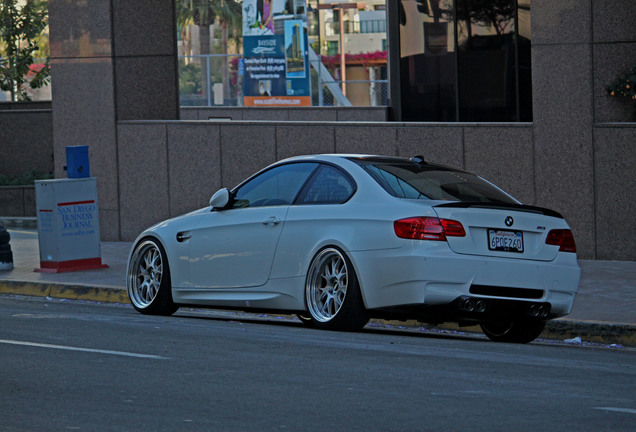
502 206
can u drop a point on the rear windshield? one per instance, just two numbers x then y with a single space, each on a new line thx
421 181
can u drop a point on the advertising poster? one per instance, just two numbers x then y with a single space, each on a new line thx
275 52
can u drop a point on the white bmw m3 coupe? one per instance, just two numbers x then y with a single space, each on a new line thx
338 239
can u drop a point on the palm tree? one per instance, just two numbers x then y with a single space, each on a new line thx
203 13
496 13
229 13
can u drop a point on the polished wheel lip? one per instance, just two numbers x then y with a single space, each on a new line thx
326 286
145 274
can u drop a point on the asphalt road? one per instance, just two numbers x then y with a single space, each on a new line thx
89 367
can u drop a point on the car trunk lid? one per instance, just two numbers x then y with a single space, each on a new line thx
502 230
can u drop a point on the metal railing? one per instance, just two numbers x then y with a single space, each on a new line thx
357 91
226 88
224 84
209 80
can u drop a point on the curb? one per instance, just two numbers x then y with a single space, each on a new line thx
560 329
64 291
590 331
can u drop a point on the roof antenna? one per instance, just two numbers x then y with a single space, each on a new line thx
419 159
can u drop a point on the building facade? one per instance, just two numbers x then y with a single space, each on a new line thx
576 153
461 60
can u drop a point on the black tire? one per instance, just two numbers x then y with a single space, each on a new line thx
514 331
148 280
332 293
5 237
6 256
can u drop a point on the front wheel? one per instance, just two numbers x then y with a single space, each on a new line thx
148 281
332 293
513 331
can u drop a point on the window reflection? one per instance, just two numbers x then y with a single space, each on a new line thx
428 66
328 186
417 182
486 60
277 186
87 35
465 60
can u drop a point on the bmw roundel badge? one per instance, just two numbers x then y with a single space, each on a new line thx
509 221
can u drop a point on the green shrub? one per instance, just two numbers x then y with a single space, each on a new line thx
28 178
624 85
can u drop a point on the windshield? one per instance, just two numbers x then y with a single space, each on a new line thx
404 179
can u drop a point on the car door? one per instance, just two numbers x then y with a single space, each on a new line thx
318 213
235 247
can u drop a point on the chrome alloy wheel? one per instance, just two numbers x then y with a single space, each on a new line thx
144 274
327 282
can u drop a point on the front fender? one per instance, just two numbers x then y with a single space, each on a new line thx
177 251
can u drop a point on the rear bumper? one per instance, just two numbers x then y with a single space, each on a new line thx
430 274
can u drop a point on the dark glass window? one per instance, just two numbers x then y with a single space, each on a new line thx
328 185
486 58
423 181
277 186
465 60
428 66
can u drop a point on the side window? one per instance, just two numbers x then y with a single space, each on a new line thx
328 186
277 186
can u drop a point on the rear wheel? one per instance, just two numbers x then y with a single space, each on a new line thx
332 293
513 331
148 281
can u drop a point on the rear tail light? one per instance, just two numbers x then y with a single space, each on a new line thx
428 228
452 228
562 238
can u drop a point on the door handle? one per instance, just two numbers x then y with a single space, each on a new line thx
272 221
183 236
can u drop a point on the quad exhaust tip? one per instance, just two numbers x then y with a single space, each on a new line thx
472 305
535 310
539 311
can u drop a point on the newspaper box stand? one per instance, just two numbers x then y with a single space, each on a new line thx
68 225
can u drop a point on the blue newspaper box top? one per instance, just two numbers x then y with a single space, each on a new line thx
77 164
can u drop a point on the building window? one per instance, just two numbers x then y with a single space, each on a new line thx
373 26
464 60
332 48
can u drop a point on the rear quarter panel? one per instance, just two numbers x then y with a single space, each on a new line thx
353 227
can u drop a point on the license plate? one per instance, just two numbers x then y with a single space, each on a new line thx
505 241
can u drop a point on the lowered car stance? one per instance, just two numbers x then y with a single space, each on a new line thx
340 239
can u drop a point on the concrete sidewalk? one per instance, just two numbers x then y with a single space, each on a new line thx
604 310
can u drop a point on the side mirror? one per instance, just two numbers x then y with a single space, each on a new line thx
220 199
